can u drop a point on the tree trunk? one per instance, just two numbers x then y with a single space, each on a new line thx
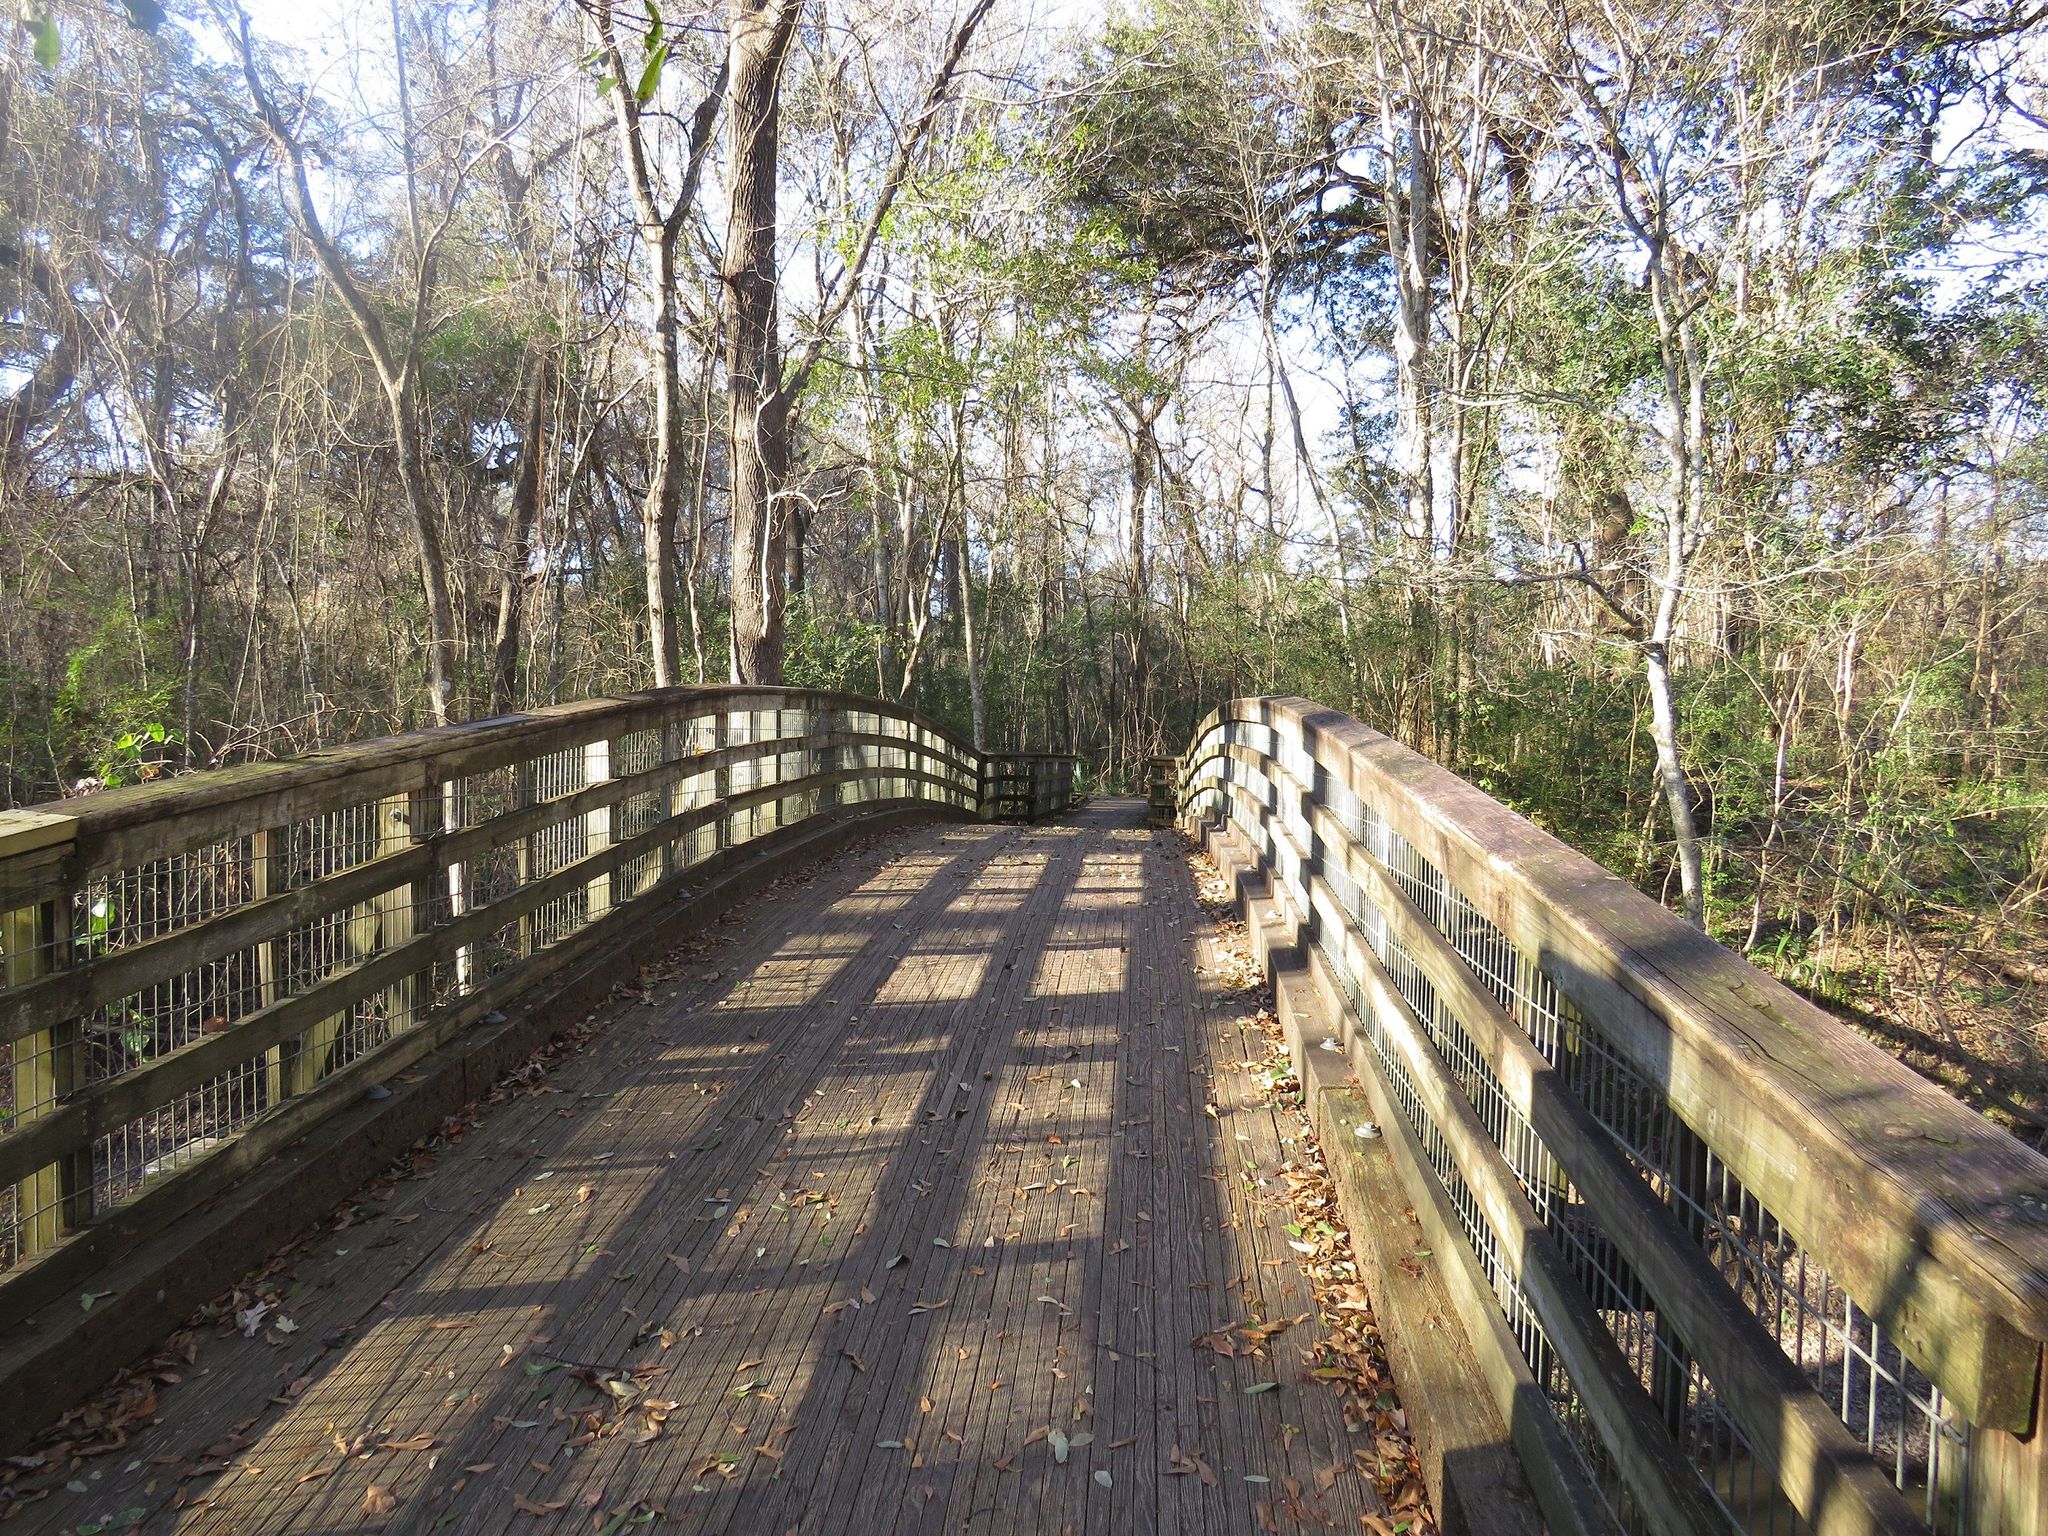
963 565
1411 214
397 373
694 573
1144 458
758 417
761 397
663 502
660 232
433 556
1670 767
518 544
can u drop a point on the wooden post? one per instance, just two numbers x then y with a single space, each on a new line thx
45 1065
458 903
303 1062
760 771
2008 1475
525 855
1159 806
721 779
665 802
401 822
38 1209
267 846
597 826
829 759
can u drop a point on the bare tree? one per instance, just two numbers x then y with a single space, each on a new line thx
661 231
761 392
395 358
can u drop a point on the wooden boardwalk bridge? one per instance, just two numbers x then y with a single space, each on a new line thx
694 1111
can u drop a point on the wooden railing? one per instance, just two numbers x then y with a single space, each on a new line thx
1726 1264
192 969
1027 786
1162 806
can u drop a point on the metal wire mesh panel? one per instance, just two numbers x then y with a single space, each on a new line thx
638 753
131 907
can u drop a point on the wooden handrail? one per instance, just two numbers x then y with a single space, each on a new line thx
1931 1220
227 942
118 827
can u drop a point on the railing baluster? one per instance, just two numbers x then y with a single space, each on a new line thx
452 819
597 826
40 1069
268 847
721 780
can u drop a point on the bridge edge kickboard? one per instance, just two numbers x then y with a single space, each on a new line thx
1476 1478
62 1355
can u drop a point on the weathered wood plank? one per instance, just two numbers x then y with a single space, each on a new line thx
130 1233
1475 1477
93 1110
1553 1466
124 827
34 1085
36 1004
31 831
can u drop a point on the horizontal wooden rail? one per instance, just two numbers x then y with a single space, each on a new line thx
1764 1271
189 962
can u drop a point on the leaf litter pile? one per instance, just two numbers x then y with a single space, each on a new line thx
1349 1357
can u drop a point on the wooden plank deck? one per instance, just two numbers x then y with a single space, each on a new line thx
925 1161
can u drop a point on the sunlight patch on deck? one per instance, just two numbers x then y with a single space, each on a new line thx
933 978
1089 972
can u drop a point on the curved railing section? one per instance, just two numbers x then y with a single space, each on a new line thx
1749 1270
189 960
